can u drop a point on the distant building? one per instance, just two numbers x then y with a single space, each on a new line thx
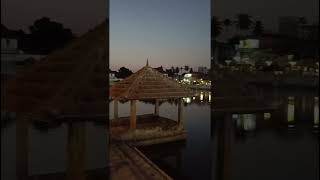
112 77
309 32
11 56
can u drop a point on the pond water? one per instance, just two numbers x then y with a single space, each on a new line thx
278 145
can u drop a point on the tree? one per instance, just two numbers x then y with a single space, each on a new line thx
123 73
46 36
177 70
243 22
227 23
258 28
215 27
186 68
191 70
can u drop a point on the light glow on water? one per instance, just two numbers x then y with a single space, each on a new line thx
316 111
290 109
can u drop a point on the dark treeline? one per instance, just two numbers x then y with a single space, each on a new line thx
44 36
244 23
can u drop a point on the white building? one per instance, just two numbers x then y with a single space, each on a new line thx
11 55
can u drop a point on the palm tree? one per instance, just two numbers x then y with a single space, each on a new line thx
258 28
186 68
243 22
215 27
227 23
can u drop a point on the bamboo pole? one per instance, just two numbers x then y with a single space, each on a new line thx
115 108
156 108
133 114
76 151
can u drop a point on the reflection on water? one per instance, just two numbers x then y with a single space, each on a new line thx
291 109
57 152
241 146
179 159
316 111
245 121
265 145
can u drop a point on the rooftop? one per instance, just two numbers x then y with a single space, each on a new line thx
148 83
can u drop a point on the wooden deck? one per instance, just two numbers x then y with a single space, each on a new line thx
129 163
126 163
150 130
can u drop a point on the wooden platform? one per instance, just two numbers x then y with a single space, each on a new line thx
150 130
129 163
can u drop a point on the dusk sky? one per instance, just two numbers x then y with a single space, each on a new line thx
79 15
168 32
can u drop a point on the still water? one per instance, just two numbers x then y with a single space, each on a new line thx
273 145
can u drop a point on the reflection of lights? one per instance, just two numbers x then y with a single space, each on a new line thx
290 100
193 98
291 126
267 115
290 111
235 116
245 121
187 100
209 97
201 96
316 111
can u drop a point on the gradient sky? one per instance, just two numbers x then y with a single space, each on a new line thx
168 32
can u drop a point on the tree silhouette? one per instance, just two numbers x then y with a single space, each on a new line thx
243 22
47 35
123 73
177 70
227 23
215 27
258 28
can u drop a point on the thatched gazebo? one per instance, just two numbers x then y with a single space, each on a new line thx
148 84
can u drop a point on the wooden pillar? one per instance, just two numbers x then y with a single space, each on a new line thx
133 114
76 151
22 148
227 146
156 107
223 145
115 108
180 111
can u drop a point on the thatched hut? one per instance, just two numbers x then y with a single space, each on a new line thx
147 84
69 82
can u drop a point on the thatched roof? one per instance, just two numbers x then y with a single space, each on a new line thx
148 83
71 80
